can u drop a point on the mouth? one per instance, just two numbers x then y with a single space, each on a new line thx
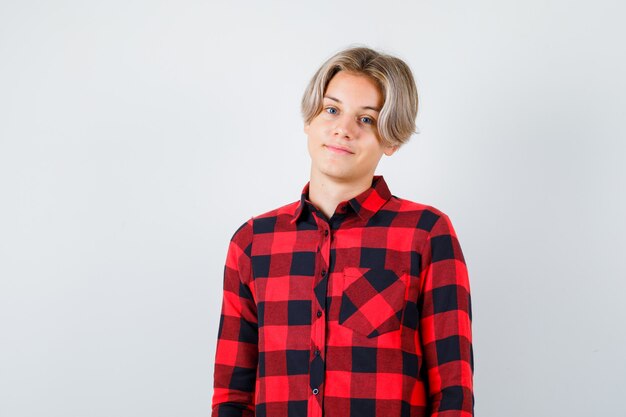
338 150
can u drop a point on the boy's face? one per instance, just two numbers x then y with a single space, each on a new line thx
343 140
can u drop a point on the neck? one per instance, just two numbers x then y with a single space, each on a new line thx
326 192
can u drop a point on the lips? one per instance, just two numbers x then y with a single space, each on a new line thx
339 149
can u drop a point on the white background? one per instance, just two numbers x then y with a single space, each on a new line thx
136 136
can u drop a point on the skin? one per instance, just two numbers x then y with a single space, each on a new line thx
347 120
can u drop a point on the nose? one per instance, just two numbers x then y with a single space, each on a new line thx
344 127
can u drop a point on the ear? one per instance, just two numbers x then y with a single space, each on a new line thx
306 128
390 149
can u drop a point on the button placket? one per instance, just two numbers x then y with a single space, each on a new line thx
317 365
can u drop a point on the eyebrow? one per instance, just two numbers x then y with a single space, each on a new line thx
364 107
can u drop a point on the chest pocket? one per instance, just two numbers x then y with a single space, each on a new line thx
373 300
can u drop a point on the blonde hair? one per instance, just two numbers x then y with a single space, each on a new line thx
396 120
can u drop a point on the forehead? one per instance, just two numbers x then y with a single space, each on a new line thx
354 88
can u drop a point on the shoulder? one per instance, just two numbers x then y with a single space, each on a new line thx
263 222
436 233
284 210
424 216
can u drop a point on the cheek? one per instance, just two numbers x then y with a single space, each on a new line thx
317 132
310 145
374 155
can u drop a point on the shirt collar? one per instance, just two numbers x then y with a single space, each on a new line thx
365 204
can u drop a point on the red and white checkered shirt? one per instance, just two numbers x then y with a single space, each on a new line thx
365 314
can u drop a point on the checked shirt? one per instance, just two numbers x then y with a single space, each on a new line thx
365 314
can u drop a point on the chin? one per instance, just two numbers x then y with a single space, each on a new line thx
339 175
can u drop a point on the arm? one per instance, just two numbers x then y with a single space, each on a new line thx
237 349
445 323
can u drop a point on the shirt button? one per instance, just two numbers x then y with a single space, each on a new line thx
319 313
317 353
315 391
323 272
325 232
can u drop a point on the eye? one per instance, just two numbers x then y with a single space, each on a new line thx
367 120
331 110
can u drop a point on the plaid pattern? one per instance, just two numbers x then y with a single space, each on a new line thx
365 314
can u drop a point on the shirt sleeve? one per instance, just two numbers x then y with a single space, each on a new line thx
445 323
237 341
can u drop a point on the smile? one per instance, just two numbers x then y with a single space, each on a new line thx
338 150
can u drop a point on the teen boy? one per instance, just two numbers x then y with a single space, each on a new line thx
350 301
